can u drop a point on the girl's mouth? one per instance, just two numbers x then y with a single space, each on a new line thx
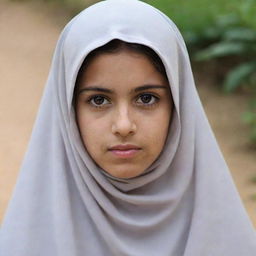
125 150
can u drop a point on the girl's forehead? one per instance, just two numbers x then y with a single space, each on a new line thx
119 71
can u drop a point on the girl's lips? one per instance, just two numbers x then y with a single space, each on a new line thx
125 151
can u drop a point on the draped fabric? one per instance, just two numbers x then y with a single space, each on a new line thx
185 204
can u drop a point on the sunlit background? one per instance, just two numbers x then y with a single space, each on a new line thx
221 39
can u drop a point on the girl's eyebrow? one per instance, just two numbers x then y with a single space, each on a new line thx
137 89
149 86
97 89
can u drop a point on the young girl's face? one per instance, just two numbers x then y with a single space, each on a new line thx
123 110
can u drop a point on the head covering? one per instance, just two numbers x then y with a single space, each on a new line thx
184 204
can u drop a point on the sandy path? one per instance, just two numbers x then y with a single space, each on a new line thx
28 37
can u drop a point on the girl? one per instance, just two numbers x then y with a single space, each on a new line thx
122 160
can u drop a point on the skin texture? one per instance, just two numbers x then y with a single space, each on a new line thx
127 114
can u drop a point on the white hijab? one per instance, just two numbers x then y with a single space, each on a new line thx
185 204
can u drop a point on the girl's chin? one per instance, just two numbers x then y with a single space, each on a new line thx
124 174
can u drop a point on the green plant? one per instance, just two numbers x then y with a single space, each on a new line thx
226 40
231 43
250 118
199 14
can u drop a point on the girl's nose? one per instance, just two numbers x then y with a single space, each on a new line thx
123 123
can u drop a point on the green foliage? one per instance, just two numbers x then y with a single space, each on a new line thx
242 34
230 38
250 118
199 14
221 49
243 73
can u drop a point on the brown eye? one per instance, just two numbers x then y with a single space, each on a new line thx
99 101
147 99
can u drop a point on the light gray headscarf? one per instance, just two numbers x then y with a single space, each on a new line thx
185 204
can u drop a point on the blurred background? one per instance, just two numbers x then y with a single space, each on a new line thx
221 39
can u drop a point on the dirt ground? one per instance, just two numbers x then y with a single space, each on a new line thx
28 37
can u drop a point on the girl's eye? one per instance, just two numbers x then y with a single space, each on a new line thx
98 101
147 99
